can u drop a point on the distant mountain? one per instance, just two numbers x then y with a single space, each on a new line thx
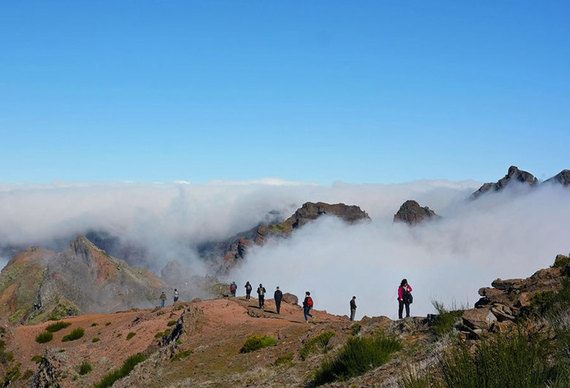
39 284
412 213
235 248
563 178
513 175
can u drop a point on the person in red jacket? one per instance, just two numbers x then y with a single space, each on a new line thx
404 298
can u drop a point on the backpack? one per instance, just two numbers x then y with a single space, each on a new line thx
408 298
310 301
233 287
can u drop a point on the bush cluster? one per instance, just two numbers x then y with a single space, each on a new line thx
57 326
256 342
125 369
44 337
85 367
357 356
320 343
444 322
74 335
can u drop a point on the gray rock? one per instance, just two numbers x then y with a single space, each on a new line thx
481 318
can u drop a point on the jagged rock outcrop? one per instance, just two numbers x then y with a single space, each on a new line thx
236 248
412 213
563 178
502 303
38 284
513 175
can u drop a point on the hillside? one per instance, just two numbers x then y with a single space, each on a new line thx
200 342
39 284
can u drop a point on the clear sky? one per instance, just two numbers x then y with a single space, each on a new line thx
319 91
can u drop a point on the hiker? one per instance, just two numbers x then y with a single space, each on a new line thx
162 299
278 296
261 294
352 308
404 298
69 312
307 306
233 288
175 295
248 289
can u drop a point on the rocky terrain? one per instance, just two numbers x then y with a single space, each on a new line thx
39 284
235 248
412 213
200 343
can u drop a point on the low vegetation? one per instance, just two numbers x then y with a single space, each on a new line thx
445 320
256 342
11 375
74 335
285 359
320 344
355 329
5 357
181 355
85 367
57 326
129 364
96 339
357 356
37 358
171 323
131 335
44 337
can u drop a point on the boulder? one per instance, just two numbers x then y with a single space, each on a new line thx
481 318
290 298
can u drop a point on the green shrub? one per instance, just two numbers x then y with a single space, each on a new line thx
85 367
320 343
37 358
356 357
519 360
159 335
181 355
27 374
74 335
107 323
167 332
57 326
44 337
5 357
256 342
93 324
179 307
11 375
284 359
125 369
96 339
171 323
355 329
444 322
131 335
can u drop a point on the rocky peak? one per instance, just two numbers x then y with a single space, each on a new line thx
311 211
563 177
513 175
412 213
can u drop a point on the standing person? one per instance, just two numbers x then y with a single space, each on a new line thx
261 295
162 299
176 295
307 306
233 288
278 296
404 298
352 308
248 289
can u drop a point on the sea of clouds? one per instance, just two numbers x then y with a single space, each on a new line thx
507 234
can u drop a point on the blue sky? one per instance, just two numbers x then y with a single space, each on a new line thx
321 91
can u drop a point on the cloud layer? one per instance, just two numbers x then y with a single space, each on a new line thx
510 234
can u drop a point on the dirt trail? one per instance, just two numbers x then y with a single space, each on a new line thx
220 331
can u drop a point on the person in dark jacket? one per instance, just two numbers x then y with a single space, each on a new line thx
307 306
278 296
261 295
233 288
404 298
248 289
352 308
